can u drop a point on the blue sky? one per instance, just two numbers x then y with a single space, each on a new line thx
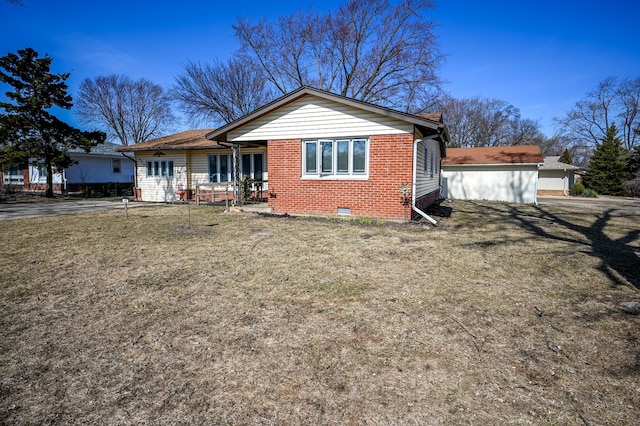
540 56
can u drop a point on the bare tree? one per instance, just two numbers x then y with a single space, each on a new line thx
475 122
220 92
612 101
558 143
131 111
373 51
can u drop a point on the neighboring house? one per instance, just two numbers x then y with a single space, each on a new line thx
556 178
31 177
500 173
103 164
321 153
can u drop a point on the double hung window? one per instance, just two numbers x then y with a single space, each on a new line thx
335 157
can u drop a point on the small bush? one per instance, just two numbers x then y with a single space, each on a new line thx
632 187
590 193
577 190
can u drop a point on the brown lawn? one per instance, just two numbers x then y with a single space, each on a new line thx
503 314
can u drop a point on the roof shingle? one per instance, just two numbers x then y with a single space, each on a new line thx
553 163
519 154
189 139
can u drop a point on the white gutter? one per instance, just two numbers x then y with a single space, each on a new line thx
413 183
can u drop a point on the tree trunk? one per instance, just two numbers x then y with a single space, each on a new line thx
49 190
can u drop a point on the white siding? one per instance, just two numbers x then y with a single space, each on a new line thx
196 163
425 183
510 183
555 180
199 165
161 189
311 117
36 177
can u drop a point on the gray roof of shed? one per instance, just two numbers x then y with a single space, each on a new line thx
553 163
106 149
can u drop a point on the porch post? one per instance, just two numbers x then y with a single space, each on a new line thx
236 174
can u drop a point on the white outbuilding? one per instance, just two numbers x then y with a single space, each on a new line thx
497 173
555 177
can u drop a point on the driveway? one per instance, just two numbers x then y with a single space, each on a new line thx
600 203
28 210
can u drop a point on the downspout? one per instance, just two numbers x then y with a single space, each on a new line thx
135 175
413 184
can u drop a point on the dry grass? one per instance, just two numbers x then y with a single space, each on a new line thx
503 315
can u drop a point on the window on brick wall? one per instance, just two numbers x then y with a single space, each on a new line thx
335 158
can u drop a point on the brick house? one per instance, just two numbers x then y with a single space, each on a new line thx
318 153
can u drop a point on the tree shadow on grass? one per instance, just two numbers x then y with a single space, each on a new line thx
619 260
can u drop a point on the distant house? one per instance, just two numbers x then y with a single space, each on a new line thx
314 153
499 173
30 177
556 178
103 164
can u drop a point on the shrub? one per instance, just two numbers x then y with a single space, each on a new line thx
632 187
577 190
590 193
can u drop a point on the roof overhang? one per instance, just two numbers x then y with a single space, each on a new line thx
425 125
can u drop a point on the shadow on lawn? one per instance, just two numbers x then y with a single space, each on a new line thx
618 259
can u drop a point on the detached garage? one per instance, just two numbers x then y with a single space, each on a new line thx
499 173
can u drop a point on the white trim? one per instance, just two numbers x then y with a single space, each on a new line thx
334 174
489 164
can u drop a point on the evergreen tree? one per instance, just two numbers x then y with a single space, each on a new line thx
566 157
27 129
633 163
608 169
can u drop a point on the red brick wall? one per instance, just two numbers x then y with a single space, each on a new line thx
390 165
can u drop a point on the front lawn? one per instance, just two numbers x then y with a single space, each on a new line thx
504 314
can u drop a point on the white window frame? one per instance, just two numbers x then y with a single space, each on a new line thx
252 165
13 175
160 168
330 171
217 176
116 170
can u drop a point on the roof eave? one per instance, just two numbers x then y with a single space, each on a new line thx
222 133
491 164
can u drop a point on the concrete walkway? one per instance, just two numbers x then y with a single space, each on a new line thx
28 210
